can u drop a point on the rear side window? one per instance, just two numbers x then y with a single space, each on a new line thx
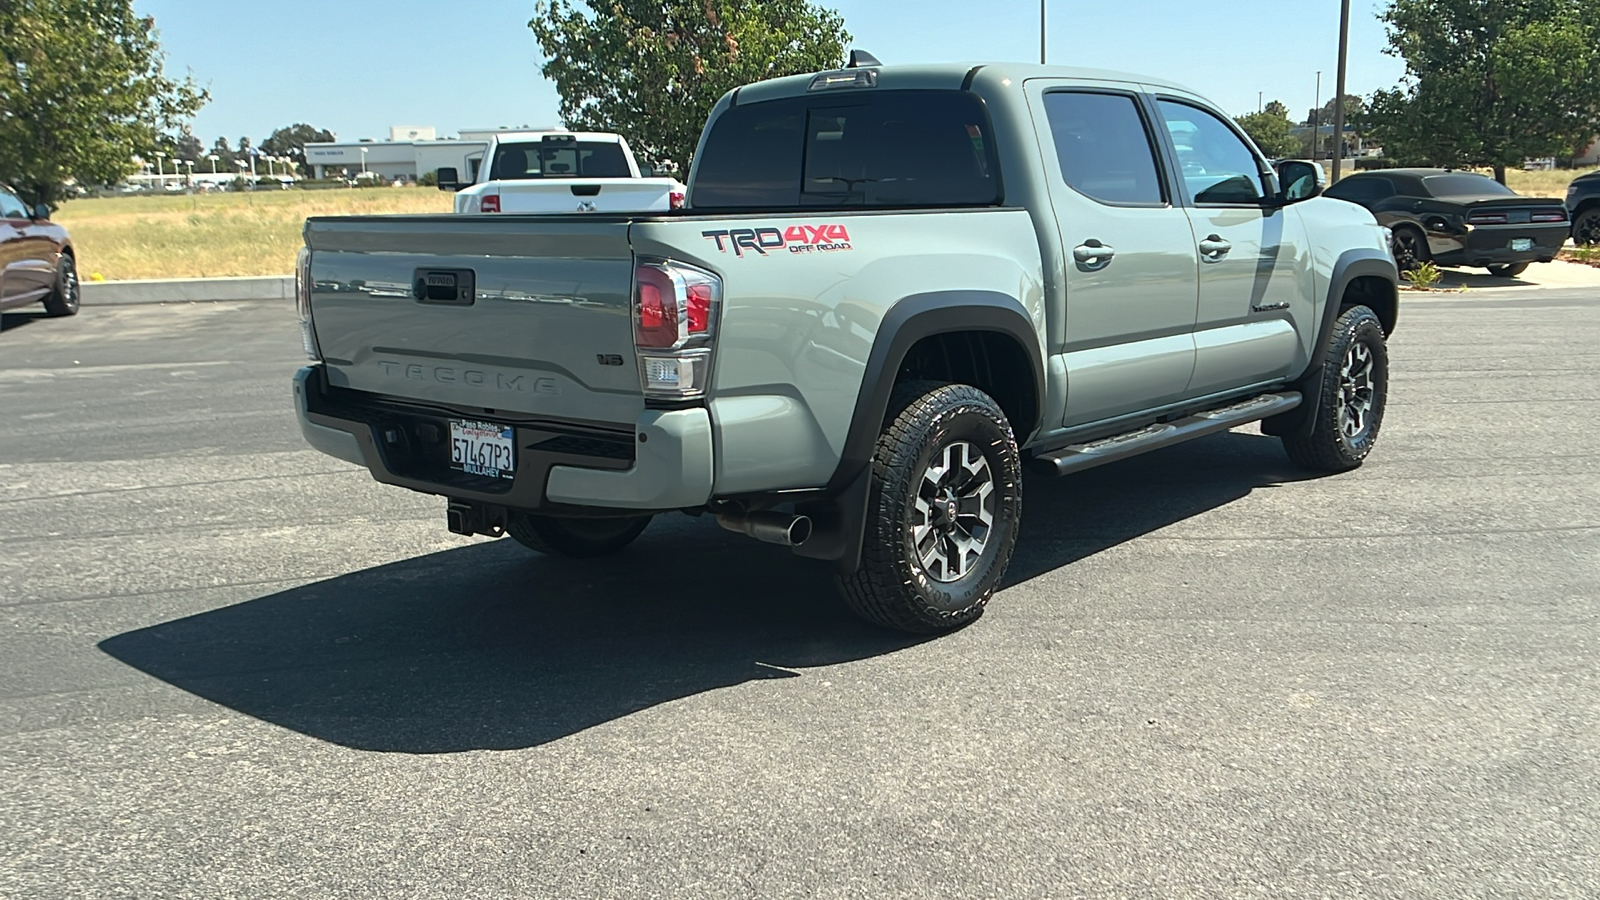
540 159
1104 147
866 150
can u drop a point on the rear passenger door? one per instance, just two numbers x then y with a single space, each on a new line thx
1256 291
1128 252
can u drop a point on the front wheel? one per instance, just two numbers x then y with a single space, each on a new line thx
1508 271
942 517
1351 396
577 538
1586 227
63 300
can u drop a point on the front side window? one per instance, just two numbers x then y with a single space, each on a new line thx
1362 190
11 207
1103 147
550 159
850 150
1218 166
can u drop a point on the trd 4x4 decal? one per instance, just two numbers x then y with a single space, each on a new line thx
796 238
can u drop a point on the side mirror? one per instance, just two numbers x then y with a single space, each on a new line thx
449 180
41 213
1299 180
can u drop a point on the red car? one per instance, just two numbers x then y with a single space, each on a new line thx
36 259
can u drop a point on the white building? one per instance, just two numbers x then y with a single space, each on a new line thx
411 152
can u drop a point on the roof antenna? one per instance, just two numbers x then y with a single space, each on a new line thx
860 58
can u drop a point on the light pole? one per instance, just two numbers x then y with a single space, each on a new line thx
188 170
1042 4
363 163
1316 118
161 174
1338 106
213 158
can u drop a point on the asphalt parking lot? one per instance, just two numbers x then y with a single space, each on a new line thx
232 667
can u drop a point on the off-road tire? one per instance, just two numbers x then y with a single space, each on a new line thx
1508 271
1328 447
1586 227
1410 247
578 538
927 422
63 299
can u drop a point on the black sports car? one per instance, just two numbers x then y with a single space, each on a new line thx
1456 218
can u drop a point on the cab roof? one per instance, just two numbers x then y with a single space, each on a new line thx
944 76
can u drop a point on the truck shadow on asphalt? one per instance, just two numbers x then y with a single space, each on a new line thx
490 646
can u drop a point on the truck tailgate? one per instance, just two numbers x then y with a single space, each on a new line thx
565 195
508 314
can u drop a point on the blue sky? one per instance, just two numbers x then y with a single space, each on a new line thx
358 66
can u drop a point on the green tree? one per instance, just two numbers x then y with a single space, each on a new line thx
1270 129
82 92
652 69
290 141
1490 82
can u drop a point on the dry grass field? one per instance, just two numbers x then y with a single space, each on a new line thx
258 233
213 235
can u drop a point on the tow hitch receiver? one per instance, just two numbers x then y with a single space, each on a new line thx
472 518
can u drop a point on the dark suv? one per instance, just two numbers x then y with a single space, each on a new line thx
1583 205
36 259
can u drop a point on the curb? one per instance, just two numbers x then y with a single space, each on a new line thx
187 290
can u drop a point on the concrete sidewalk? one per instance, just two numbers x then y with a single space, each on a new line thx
1558 274
188 290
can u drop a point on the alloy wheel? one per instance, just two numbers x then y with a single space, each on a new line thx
954 512
1356 395
1587 229
1408 252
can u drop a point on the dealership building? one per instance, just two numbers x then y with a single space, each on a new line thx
408 154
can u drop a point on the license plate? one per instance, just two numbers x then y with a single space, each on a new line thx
1520 244
482 448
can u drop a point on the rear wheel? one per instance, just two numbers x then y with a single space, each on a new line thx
577 538
1410 248
942 517
1510 271
1352 394
1586 227
63 301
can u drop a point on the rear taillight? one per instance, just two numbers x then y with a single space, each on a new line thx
302 304
1487 219
1550 215
675 199
491 203
675 311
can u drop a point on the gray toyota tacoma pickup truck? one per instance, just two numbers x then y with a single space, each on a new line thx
894 287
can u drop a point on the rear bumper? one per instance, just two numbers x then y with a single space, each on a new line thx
1490 245
664 463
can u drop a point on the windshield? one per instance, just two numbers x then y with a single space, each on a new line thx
889 149
550 159
1465 183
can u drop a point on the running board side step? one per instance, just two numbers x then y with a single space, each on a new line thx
1078 457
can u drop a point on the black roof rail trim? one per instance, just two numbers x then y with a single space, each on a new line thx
734 100
966 83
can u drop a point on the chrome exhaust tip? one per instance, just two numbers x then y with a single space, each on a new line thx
785 529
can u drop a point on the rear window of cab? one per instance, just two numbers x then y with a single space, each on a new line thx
856 150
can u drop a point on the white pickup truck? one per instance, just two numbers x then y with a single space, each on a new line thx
559 172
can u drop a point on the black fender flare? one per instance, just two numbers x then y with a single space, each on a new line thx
1360 262
840 517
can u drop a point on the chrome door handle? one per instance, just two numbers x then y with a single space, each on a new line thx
1092 256
1214 248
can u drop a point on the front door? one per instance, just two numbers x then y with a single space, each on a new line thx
24 252
1128 253
1256 294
